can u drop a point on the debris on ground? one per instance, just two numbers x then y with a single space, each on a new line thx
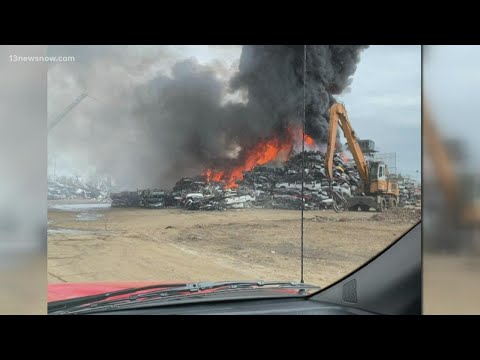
320 218
398 215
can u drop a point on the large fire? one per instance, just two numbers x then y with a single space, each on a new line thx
271 149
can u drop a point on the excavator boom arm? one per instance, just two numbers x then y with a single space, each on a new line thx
339 117
64 113
440 159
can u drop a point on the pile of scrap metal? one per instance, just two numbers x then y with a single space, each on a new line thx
155 199
410 192
197 194
344 173
125 199
149 198
280 188
262 187
70 187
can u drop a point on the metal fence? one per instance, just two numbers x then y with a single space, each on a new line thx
390 159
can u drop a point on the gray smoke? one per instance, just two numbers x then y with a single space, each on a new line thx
151 133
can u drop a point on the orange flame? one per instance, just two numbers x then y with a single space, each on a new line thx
264 152
296 134
309 140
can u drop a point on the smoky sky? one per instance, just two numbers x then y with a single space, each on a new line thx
153 118
384 103
274 77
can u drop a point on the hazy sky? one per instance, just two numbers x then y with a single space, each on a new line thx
384 103
452 90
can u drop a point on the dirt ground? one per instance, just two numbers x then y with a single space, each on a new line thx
22 284
451 285
105 244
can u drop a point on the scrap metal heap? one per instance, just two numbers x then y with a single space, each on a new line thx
410 192
72 187
262 187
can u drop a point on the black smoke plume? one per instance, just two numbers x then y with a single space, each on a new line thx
178 124
274 77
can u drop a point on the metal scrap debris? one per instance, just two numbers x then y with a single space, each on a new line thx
274 187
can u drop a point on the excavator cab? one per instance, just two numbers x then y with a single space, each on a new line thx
378 175
377 170
382 176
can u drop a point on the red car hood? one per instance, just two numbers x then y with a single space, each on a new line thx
64 291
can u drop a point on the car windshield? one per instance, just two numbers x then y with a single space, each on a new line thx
211 163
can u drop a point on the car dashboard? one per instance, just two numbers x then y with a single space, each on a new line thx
283 306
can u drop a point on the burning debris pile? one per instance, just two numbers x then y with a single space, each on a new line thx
263 186
70 187
206 117
199 119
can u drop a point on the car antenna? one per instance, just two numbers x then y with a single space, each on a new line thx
303 158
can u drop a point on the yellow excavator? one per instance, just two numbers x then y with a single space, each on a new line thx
376 188
465 209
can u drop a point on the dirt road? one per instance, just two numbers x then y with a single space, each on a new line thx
104 244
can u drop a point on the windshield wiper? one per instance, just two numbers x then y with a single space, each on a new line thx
70 303
87 304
